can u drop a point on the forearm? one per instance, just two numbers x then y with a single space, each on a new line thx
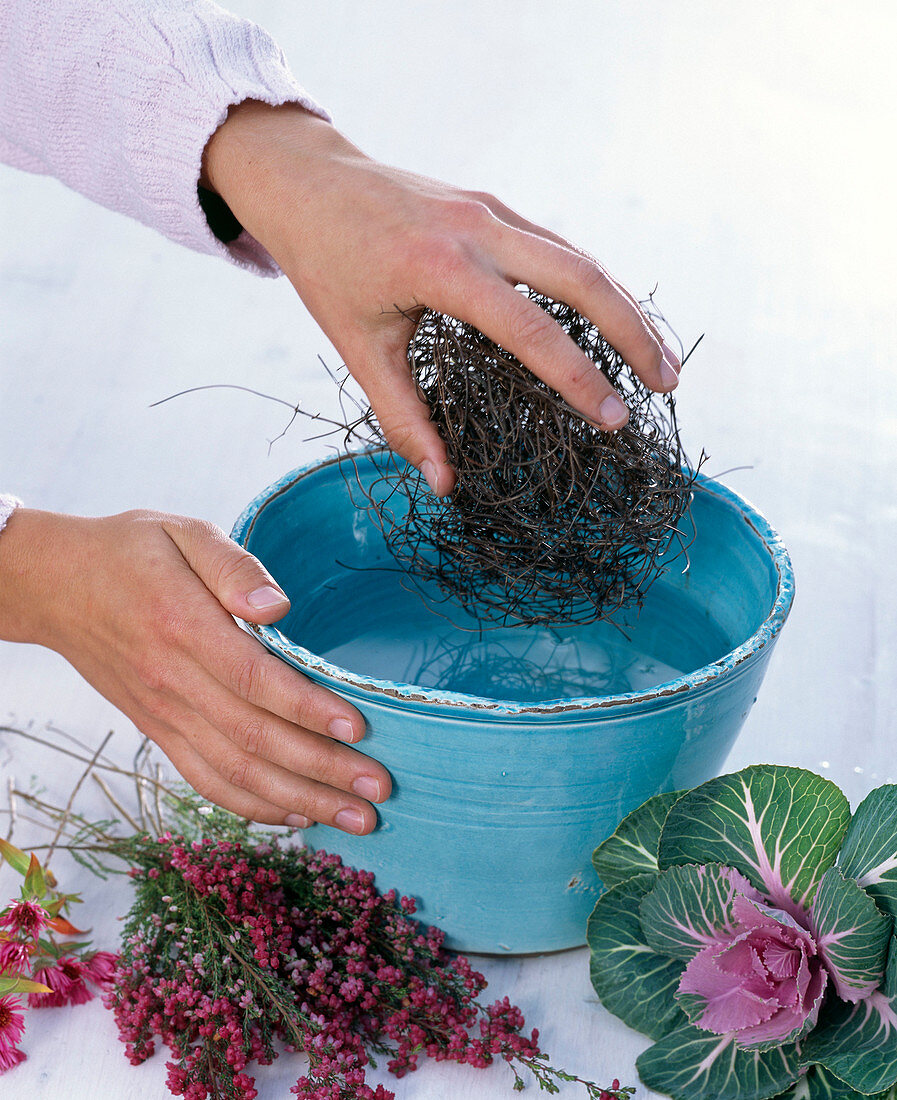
264 161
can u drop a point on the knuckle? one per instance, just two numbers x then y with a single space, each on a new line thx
134 516
200 529
250 735
238 770
402 437
445 257
322 763
470 212
589 275
583 375
232 565
643 347
316 804
533 327
154 678
310 714
247 677
156 705
484 199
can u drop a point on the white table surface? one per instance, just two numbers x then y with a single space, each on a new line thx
739 156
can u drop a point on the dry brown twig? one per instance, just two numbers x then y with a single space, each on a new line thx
552 520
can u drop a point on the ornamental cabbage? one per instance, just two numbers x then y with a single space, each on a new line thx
747 926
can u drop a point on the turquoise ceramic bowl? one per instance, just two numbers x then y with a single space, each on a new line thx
515 752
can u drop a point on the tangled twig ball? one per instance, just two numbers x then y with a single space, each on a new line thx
552 520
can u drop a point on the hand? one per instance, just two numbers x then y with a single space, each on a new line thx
141 605
362 242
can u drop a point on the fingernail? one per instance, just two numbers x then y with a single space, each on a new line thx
341 729
668 376
350 819
671 358
428 469
265 597
367 787
296 821
613 412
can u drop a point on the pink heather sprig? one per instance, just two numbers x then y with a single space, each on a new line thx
231 946
34 960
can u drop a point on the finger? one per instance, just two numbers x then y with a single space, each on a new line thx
238 581
515 220
404 418
161 723
260 780
509 318
583 284
194 769
669 356
260 733
243 666
296 750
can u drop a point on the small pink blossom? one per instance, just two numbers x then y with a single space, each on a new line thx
25 916
99 968
14 955
66 980
764 981
12 1027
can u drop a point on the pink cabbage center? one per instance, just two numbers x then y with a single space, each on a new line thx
765 982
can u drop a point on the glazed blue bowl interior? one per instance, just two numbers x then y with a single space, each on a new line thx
515 750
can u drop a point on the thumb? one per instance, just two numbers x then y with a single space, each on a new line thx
239 582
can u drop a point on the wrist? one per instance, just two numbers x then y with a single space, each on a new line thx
261 158
30 585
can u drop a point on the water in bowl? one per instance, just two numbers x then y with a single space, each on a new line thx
371 623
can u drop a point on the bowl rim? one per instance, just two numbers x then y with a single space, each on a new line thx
394 691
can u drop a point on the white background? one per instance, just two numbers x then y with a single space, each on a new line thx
741 157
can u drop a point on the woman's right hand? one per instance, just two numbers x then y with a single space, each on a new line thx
367 246
141 604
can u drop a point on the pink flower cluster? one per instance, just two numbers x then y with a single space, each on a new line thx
233 949
30 953
70 978
12 1027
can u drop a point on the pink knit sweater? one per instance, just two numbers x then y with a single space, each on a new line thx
117 98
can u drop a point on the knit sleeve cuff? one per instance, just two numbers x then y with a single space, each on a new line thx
8 505
214 61
118 99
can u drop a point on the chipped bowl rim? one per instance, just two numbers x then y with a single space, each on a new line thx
396 692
